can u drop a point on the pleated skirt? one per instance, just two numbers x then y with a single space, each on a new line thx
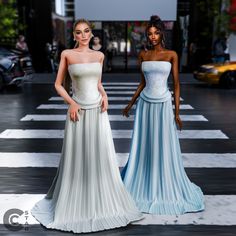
154 174
87 193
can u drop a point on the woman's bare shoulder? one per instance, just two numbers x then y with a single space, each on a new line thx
66 52
98 55
142 54
172 53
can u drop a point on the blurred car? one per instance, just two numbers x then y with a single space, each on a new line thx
14 67
217 73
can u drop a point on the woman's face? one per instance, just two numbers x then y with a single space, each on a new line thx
96 40
82 33
154 35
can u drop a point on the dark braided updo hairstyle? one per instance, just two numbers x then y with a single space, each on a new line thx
155 21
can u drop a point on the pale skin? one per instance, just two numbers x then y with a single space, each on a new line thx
158 53
96 44
82 54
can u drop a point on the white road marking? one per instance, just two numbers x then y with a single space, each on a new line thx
220 210
184 134
120 92
118 134
123 98
190 160
111 106
55 117
121 87
120 83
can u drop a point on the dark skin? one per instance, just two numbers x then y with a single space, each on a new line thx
158 53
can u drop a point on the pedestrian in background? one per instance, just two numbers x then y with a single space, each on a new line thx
96 44
21 44
110 53
193 55
219 47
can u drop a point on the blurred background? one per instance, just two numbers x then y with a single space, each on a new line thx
192 28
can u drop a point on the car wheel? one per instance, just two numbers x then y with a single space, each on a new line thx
228 79
1 82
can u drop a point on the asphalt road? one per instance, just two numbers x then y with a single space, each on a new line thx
28 161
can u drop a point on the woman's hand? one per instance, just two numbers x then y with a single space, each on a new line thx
104 103
178 122
125 112
74 111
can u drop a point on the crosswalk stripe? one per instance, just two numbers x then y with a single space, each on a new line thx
121 87
219 210
124 98
190 160
55 117
111 106
121 83
224 214
117 134
184 134
120 92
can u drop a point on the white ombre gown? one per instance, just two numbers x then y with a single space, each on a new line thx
87 193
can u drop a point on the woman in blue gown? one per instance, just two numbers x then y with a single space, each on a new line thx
154 174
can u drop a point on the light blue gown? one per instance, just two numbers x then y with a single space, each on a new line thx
154 174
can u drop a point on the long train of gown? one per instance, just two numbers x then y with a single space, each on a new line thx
154 174
87 193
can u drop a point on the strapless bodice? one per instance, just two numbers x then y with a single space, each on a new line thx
85 77
156 75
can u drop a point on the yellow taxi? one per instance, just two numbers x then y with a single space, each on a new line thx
217 73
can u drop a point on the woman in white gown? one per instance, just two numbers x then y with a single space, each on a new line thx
87 193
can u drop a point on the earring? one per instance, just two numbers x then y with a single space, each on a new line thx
163 43
74 39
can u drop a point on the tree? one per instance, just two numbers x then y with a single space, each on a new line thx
9 26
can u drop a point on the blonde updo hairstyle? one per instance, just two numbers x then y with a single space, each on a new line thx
81 21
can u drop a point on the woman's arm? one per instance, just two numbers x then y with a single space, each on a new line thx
135 96
138 90
175 75
74 107
102 90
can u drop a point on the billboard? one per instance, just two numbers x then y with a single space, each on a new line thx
125 10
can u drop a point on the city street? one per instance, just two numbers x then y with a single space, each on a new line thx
31 133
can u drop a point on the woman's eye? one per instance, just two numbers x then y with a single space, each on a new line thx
87 31
78 33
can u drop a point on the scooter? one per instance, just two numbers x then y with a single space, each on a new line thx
25 61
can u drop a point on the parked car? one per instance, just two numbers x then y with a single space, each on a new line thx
14 67
217 73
